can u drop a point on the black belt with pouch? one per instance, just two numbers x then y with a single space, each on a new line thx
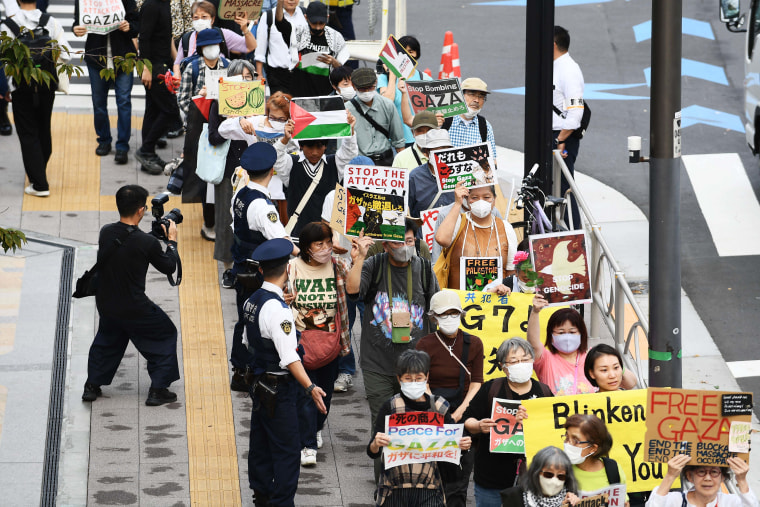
384 159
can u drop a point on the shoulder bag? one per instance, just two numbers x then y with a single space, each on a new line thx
87 284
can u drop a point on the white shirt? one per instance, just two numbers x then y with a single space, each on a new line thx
675 499
279 52
567 95
274 319
347 151
260 215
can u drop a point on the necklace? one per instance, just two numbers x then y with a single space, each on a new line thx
490 235
450 347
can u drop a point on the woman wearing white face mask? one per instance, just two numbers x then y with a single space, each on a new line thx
419 483
587 445
317 294
497 471
456 373
549 482
473 233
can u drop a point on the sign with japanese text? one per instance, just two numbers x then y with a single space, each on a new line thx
429 217
213 76
378 179
477 272
471 164
229 8
380 216
419 437
101 16
560 259
397 59
685 421
507 435
241 98
441 96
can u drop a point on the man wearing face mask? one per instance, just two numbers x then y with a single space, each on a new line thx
423 189
396 287
378 125
496 471
413 156
317 47
471 127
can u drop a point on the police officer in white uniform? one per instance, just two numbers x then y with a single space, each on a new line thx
567 107
274 456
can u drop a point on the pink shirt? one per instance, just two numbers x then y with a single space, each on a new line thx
563 378
235 43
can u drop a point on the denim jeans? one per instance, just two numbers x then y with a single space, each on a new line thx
123 88
311 420
485 497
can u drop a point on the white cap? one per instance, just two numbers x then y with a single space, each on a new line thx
443 301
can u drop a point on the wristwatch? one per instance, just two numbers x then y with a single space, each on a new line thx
310 389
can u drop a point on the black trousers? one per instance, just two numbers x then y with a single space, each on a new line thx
155 338
281 80
572 146
32 112
160 111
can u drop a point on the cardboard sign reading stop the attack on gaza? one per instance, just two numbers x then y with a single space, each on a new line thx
101 16
378 179
477 272
241 98
507 436
560 259
441 96
624 414
471 164
494 318
418 437
611 496
685 421
380 216
229 8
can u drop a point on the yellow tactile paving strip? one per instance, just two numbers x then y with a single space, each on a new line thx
11 274
74 171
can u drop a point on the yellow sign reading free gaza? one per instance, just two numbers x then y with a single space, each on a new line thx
494 318
624 414
241 98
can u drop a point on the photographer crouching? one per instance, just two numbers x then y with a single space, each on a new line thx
126 313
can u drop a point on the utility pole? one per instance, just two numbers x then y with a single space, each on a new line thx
664 197
539 64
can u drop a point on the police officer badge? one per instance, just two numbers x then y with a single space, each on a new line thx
272 216
286 326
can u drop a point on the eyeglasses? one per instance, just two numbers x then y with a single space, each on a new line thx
281 119
571 440
477 95
518 361
714 472
446 317
551 475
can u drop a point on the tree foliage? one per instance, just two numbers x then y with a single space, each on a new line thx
11 239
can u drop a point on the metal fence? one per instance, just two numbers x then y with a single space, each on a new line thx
610 288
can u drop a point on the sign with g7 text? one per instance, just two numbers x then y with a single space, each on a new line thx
471 164
442 96
419 437
507 435
101 16
683 421
241 98
560 260
623 412
229 8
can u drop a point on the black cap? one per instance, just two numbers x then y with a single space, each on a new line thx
258 157
316 12
273 252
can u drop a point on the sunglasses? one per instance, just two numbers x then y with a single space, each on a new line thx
551 475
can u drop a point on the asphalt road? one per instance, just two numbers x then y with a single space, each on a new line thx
491 39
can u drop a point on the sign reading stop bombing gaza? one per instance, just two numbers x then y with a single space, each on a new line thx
241 98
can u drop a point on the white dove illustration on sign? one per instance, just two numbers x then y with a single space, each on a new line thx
561 269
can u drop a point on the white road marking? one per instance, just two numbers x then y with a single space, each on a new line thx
741 369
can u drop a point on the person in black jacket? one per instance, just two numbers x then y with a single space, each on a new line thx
96 57
126 312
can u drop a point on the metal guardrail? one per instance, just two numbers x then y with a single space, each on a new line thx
609 285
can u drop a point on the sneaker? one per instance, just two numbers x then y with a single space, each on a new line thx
162 143
308 457
172 165
150 162
320 442
36 193
228 279
173 134
160 396
343 383
121 157
91 392
208 233
103 149
238 383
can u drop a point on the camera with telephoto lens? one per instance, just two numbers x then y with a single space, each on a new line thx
157 209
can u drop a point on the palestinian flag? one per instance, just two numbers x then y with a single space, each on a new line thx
398 61
203 104
308 62
319 118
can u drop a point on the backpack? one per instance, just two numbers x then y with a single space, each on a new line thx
585 120
195 61
38 41
482 126
186 44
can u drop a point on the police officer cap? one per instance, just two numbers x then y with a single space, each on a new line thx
258 157
273 252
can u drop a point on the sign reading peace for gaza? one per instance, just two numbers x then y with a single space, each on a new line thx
419 437
471 164
101 16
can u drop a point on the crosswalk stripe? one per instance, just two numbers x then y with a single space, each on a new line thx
727 201
741 369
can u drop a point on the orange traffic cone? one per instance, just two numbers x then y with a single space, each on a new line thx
455 68
428 73
445 69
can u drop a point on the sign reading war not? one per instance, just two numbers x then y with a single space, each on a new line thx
683 421
561 262
471 164
441 96
419 437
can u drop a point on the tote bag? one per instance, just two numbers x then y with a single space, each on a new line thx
211 159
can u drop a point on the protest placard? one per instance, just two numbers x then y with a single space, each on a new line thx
101 16
471 164
338 217
319 118
241 98
441 96
228 8
419 437
624 414
397 59
507 435
429 217
561 261
380 216
611 496
685 421
494 318
212 82
477 272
